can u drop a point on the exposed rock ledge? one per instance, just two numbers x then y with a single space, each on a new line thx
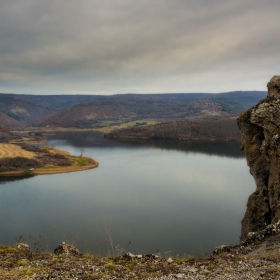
260 127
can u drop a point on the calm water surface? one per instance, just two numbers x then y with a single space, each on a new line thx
157 196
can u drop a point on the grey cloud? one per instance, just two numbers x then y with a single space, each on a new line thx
114 46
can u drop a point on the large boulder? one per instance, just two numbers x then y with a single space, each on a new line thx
66 249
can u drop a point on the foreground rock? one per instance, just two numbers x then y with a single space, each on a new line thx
260 127
66 249
259 262
265 240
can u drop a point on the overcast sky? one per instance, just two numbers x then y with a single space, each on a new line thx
138 46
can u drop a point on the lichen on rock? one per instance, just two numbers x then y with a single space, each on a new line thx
260 127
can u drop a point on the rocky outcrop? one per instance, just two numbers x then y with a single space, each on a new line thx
66 249
264 240
260 128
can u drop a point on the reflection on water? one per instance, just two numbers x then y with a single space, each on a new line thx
148 198
6 180
227 149
84 139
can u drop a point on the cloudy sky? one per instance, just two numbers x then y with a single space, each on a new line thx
137 46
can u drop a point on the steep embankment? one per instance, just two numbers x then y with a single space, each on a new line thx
260 127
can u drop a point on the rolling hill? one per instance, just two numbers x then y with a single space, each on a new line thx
88 111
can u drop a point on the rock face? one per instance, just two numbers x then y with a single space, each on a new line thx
260 128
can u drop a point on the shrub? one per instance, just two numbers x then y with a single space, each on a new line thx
18 163
32 148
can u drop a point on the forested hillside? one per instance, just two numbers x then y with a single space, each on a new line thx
213 128
93 111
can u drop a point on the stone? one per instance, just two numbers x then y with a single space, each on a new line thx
193 270
129 255
180 276
23 247
221 249
169 260
152 256
66 249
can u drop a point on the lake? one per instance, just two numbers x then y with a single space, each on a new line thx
167 197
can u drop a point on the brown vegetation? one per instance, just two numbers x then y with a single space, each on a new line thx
214 128
5 134
18 163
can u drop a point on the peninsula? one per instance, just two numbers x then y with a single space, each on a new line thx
20 158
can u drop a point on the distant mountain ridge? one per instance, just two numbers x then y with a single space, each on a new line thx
19 111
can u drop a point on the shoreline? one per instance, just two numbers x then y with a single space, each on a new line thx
41 171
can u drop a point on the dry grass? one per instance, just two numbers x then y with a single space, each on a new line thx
57 151
12 150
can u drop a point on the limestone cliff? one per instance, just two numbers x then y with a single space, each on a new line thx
260 128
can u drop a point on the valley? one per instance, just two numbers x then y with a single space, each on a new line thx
18 157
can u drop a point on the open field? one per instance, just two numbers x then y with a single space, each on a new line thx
12 150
